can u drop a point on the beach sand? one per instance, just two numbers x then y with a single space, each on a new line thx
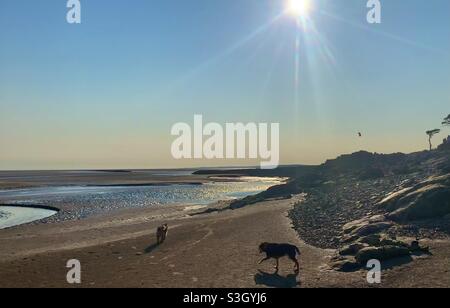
209 250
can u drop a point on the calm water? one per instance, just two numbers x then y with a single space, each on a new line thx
79 201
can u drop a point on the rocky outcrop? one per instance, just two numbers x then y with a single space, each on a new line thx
428 199
381 253
358 224
376 246
352 249
354 230
367 229
429 202
345 264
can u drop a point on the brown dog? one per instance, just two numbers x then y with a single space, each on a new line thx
161 233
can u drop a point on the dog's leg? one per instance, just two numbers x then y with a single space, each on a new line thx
297 266
264 259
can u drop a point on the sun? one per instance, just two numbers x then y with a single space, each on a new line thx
298 8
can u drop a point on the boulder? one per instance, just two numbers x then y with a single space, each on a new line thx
392 242
391 200
358 224
416 248
349 227
371 240
432 201
381 253
352 249
345 265
371 228
377 240
366 229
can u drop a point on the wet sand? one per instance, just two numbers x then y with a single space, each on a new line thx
211 250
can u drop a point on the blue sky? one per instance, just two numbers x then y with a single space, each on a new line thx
105 93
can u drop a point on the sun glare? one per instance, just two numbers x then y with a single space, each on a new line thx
299 8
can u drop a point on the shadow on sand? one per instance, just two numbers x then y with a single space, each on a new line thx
390 264
277 281
151 248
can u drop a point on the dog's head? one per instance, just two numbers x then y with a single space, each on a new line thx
263 247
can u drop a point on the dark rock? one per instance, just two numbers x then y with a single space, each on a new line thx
345 265
352 249
415 248
371 228
381 253
371 240
428 202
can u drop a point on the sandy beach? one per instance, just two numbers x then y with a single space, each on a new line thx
208 250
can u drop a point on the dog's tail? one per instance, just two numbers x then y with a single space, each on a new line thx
297 250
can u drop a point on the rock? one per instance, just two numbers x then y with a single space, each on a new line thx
415 247
377 240
358 224
345 265
434 187
349 227
392 198
371 228
392 242
377 218
352 249
442 179
381 253
431 201
371 240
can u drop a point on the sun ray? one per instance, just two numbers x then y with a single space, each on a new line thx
222 55
384 34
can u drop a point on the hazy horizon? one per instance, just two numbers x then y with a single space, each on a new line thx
104 94
199 165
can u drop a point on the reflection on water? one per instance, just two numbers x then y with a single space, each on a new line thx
80 202
13 216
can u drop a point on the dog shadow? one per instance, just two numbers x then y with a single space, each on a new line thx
275 280
151 248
